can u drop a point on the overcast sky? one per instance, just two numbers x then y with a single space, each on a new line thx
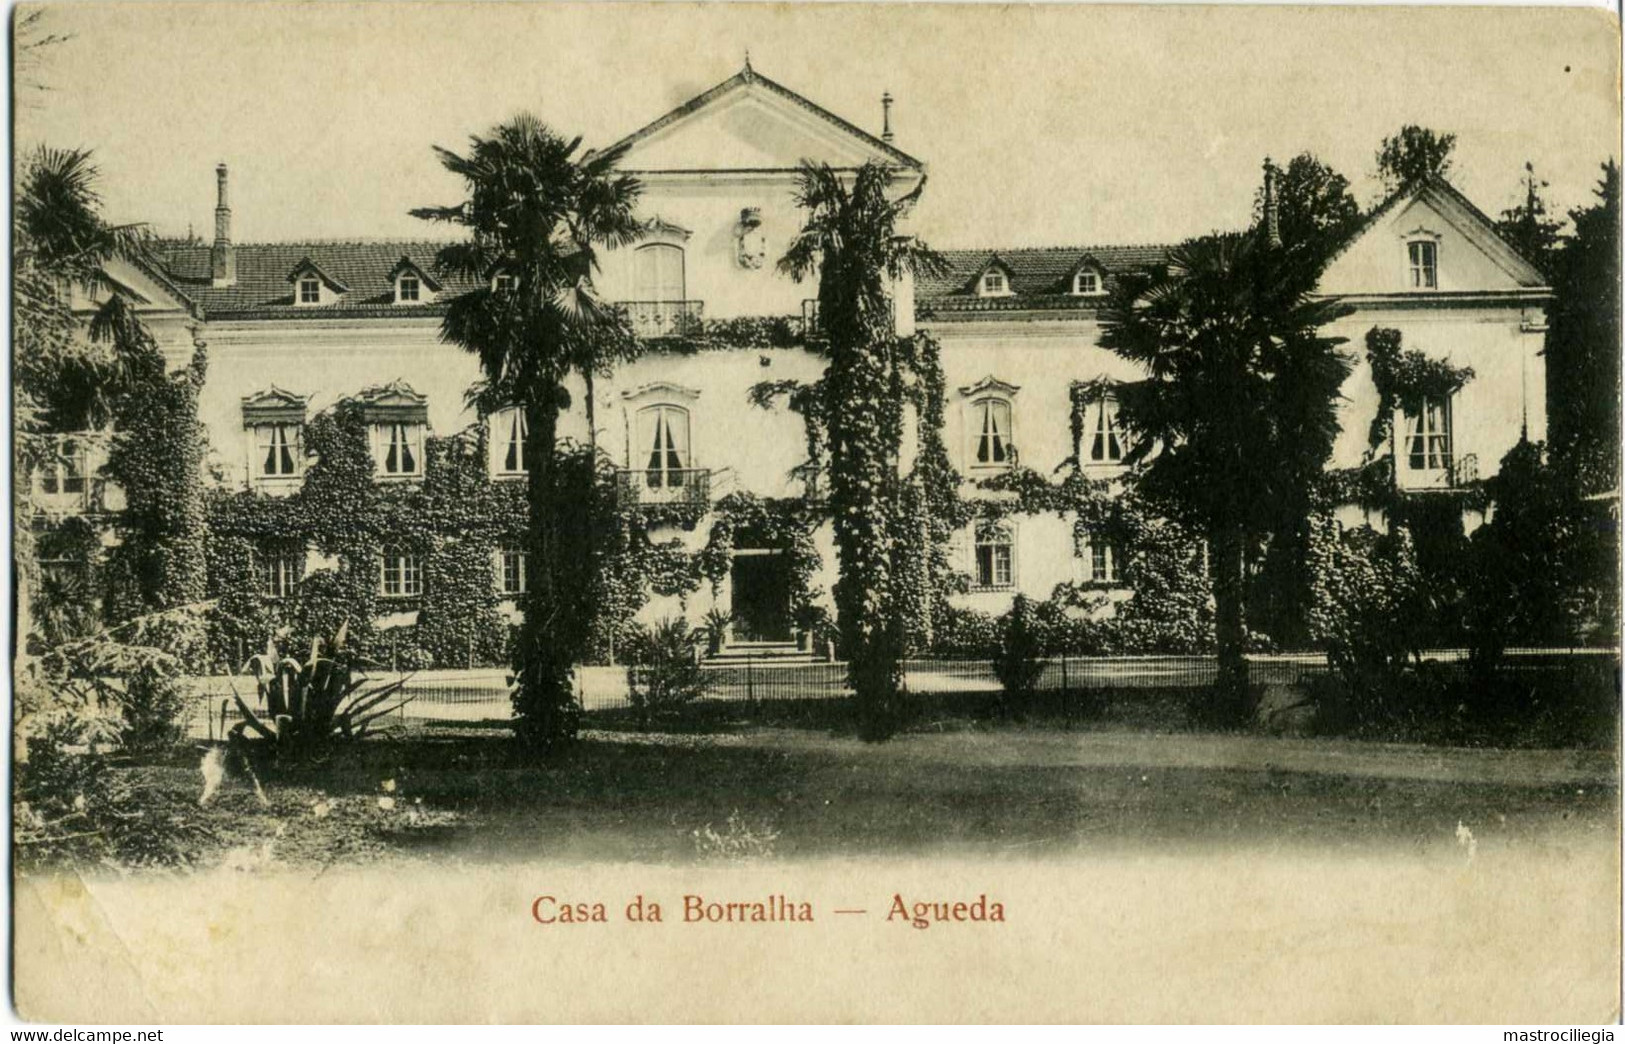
1039 125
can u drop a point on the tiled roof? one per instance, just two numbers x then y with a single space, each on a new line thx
262 290
1039 277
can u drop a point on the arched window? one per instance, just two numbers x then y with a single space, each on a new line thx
991 433
657 273
663 438
995 557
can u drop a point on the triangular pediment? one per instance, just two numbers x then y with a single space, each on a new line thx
751 123
273 397
395 393
274 405
990 385
1469 256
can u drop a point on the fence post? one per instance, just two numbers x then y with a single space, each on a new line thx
750 689
1066 696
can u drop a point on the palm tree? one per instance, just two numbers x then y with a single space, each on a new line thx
1237 413
537 213
850 238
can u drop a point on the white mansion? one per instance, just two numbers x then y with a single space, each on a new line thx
292 328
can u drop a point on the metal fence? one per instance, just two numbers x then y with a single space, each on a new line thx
483 695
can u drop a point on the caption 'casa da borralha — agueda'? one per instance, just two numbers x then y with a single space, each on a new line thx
295 331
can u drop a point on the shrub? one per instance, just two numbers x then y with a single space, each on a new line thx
313 702
966 633
666 675
70 808
1020 658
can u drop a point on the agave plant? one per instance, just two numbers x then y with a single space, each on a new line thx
310 703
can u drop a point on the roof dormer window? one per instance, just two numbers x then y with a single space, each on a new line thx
994 283
312 286
505 283
412 284
1087 283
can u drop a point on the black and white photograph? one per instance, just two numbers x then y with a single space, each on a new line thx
815 513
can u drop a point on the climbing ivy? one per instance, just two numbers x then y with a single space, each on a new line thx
1405 380
160 561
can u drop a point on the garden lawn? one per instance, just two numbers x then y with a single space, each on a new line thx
455 795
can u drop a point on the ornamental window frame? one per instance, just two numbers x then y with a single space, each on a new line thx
986 447
994 282
400 573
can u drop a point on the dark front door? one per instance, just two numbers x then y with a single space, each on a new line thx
761 596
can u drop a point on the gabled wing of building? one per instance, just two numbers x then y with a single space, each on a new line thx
750 123
1470 256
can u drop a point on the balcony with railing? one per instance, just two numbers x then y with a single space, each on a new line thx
645 487
1453 473
665 318
812 330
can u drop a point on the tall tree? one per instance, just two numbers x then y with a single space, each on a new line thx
1582 342
537 213
1527 227
1316 210
1414 154
1237 412
849 237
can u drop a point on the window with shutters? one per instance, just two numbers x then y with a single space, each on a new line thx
657 273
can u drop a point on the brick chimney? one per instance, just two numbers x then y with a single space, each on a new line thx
885 109
222 256
1272 210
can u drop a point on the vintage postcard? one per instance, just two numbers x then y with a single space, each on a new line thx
664 512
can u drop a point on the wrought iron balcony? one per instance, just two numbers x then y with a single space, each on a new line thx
813 330
1458 473
642 487
665 318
